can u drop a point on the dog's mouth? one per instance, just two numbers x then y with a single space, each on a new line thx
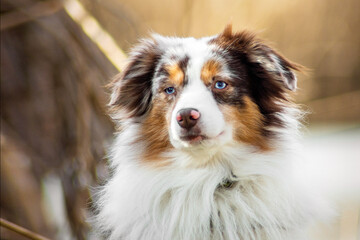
193 139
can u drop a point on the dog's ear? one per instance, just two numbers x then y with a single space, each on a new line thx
278 67
264 59
131 89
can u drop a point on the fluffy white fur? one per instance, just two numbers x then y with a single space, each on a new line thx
191 198
176 202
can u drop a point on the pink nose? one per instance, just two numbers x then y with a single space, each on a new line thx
187 117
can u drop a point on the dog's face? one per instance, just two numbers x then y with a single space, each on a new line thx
190 93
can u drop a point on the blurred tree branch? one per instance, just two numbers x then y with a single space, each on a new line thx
20 230
25 14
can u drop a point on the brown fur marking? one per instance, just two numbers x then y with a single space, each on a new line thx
176 74
250 129
209 70
154 134
227 30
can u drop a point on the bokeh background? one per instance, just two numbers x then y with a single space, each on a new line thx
57 56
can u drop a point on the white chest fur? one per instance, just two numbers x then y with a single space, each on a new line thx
232 198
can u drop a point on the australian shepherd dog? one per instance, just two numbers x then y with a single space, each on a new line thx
206 143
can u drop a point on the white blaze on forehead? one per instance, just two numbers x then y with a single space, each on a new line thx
178 48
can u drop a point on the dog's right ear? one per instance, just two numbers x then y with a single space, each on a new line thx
131 89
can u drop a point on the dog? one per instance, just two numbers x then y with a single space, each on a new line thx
207 138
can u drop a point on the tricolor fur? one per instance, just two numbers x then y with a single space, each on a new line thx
224 174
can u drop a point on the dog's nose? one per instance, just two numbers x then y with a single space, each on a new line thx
187 117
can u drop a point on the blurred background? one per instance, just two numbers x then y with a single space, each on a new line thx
57 56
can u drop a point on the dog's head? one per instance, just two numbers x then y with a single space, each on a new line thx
188 93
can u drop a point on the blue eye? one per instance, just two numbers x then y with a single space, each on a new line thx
170 90
220 85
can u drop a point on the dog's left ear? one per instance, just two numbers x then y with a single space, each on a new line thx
275 64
